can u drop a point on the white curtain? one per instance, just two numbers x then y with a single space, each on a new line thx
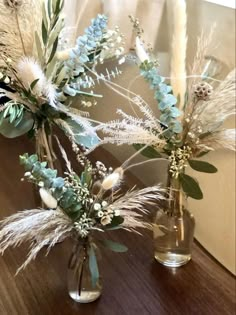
149 12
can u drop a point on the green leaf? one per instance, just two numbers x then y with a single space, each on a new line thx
55 32
54 49
45 14
149 152
33 84
114 246
93 266
202 166
58 182
44 33
49 8
202 153
116 221
61 75
88 140
9 130
190 186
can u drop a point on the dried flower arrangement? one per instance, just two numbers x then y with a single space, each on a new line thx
42 76
180 136
76 206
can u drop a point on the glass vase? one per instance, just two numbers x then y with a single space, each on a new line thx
173 230
80 286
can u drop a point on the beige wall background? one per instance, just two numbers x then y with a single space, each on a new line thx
215 214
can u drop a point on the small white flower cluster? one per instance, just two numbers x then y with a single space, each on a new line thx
100 171
105 215
84 225
196 128
178 160
82 191
113 45
85 103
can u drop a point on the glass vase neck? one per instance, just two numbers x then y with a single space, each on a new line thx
176 198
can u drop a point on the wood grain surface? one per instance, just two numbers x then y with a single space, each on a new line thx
133 283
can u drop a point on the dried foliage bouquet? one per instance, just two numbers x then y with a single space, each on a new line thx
42 75
76 206
186 128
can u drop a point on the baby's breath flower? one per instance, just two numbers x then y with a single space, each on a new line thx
100 214
104 203
97 206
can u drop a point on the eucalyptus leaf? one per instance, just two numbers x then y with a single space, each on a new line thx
9 130
114 246
202 166
93 266
58 182
149 152
190 186
82 138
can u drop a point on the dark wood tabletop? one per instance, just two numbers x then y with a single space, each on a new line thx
133 282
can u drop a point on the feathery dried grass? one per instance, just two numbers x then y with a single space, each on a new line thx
17 28
131 130
134 204
49 226
219 107
222 139
199 62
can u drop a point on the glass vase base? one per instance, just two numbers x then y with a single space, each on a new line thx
85 297
172 259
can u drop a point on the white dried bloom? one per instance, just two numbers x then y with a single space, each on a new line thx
104 203
97 206
100 214
63 55
113 180
116 213
140 51
28 71
7 80
106 220
41 184
48 199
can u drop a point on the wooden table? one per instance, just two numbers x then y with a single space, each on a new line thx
134 284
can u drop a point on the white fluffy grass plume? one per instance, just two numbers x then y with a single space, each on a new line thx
28 71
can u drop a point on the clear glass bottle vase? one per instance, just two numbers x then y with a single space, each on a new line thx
80 286
173 229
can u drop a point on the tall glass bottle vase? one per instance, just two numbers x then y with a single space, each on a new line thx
174 229
80 285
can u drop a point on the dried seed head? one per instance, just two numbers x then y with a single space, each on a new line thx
203 90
